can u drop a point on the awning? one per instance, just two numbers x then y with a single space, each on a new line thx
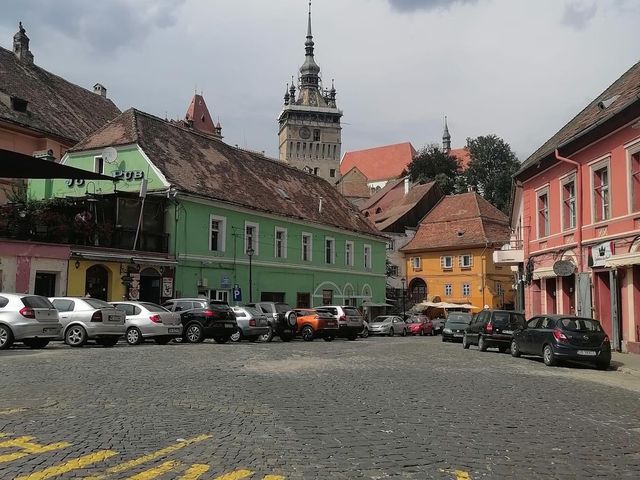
19 165
623 259
370 304
446 305
543 272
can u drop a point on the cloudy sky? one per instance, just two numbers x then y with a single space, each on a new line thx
516 68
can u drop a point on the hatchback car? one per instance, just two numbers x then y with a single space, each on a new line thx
559 337
492 328
252 323
388 325
30 319
419 325
282 320
216 321
314 324
86 319
455 326
350 320
146 320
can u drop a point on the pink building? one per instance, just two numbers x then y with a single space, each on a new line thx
576 207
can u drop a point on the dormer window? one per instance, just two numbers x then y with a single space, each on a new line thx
19 104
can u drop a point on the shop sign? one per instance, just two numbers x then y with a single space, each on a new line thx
564 268
118 175
134 288
225 282
601 253
167 286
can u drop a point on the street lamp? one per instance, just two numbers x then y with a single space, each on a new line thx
250 252
404 309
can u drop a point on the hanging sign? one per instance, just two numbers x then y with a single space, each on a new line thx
564 268
167 286
600 254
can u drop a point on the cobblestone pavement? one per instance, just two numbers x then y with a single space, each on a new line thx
410 408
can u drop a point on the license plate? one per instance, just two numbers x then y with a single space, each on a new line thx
229 325
458 335
588 353
113 318
286 330
507 332
49 330
174 330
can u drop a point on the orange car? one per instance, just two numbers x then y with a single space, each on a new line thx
311 324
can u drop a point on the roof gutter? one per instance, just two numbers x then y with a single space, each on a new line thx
578 183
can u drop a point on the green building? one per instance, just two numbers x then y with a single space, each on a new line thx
228 216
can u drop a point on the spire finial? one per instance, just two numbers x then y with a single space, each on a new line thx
309 24
446 137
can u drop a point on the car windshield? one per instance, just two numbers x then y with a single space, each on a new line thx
459 317
352 312
282 308
381 319
254 312
457 323
413 320
35 301
580 325
152 307
95 303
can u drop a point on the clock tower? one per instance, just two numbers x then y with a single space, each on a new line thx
309 125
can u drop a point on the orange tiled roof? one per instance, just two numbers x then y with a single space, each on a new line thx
379 163
463 155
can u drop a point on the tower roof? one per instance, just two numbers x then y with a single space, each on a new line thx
309 70
446 135
198 116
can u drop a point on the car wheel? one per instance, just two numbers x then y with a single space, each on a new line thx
465 342
328 339
236 336
391 332
515 350
253 338
267 337
602 365
433 332
75 336
548 356
134 336
194 333
162 340
444 339
365 333
482 344
307 333
286 337
36 343
404 332
6 337
422 332
352 337
220 339
108 342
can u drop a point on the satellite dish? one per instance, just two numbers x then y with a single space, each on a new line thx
109 154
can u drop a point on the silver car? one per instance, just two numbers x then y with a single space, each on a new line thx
30 319
148 320
388 325
252 323
85 319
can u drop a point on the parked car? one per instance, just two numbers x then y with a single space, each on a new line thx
282 320
388 325
350 320
560 337
252 323
147 320
215 320
88 318
419 325
183 304
438 325
493 328
455 326
312 324
30 319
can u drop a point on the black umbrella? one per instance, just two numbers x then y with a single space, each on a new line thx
19 165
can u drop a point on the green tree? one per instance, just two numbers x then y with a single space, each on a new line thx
432 164
491 168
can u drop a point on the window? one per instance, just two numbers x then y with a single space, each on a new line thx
297 147
217 227
98 165
329 250
251 235
348 254
543 214
327 297
601 194
446 262
466 261
392 270
466 289
332 172
416 263
499 289
307 245
280 244
448 290
316 135
569 204
303 300
367 257
635 182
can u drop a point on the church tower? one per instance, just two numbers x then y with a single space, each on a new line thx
309 125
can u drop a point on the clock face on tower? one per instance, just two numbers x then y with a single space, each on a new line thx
304 133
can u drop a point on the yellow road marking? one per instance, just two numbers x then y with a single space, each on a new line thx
9 411
27 447
157 454
195 471
155 472
69 466
237 475
273 477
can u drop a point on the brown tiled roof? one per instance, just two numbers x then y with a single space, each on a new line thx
624 91
205 166
461 221
56 106
380 163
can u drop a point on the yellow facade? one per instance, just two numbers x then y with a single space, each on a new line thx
77 277
470 276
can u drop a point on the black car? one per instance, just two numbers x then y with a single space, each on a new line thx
493 328
282 320
216 321
557 337
455 325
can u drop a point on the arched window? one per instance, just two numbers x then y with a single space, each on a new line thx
417 290
97 282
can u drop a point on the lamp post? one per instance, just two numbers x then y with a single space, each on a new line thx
250 253
404 309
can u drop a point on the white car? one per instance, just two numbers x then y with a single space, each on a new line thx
85 319
148 320
29 319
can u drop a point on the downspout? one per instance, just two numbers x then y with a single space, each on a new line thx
579 206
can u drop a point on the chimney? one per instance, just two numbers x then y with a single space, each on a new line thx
100 89
21 45
407 185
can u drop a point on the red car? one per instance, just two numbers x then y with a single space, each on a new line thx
418 325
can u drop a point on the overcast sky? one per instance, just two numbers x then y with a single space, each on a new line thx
517 68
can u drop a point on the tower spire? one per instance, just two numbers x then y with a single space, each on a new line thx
446 137
310 71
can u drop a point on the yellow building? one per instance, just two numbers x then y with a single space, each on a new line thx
451 255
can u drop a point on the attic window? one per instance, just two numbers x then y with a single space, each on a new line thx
19 104
282 193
